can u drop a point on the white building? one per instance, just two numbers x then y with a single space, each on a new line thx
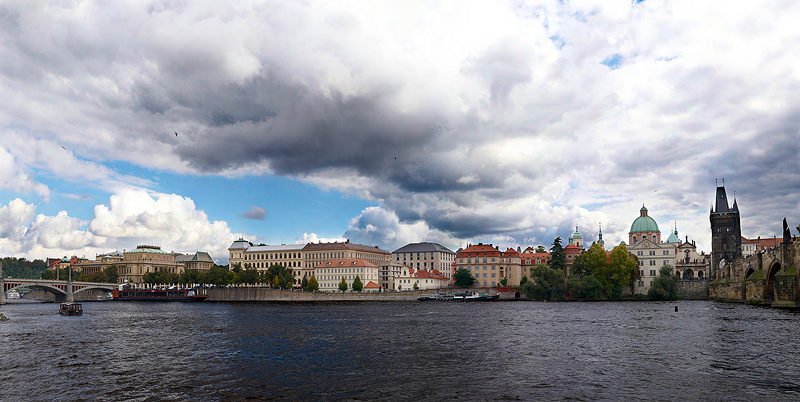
330 273
423 279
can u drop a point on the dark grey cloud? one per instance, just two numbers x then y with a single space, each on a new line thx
255 213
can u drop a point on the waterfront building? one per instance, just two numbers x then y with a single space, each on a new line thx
317 253
261 257
303 258
511 264
483 261
424 279
330 273
132 265
652 253
529 258
425 256
688 263
757 245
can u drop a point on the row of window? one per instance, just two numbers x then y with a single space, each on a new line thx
477 275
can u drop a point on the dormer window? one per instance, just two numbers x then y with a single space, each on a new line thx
353 263
341 262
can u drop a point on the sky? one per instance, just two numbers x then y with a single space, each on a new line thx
189 124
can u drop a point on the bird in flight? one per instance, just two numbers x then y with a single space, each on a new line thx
176 133
63 147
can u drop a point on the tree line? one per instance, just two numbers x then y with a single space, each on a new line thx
594 275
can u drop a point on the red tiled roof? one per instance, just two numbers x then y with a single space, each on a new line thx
345 262
371 285
345 246
479 250
424 273
510 253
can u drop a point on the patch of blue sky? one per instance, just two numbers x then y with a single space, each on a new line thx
293 207
558 41
613 62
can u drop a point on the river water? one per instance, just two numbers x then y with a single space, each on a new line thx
634 351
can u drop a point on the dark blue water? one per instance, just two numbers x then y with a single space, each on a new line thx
635 351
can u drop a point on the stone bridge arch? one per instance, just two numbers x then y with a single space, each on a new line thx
59 293
769 286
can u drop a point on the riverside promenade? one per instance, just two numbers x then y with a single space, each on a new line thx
247 294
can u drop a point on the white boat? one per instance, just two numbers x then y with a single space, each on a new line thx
12 294
105 296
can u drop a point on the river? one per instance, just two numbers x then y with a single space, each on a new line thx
406 351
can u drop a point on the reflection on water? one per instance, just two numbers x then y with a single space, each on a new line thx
400 351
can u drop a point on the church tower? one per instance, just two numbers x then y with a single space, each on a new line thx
726 232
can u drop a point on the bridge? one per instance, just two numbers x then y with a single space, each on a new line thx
58 288
769 277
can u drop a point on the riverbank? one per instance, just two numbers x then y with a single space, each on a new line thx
248 294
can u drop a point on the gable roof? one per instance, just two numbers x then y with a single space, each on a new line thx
423 247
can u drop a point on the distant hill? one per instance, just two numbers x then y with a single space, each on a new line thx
22 268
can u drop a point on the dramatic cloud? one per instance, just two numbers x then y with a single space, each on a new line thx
256 213
132 217
502 120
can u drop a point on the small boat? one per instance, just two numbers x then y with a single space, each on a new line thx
105 296
70 309
12 294
158 295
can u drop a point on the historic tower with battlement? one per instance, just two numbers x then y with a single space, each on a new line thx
726 233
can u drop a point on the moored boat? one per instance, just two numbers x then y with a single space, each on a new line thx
158 295
70 309
12 294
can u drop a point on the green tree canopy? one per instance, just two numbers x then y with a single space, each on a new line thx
343 285
463 278
546 283
312 284
112 273
304 282
98 276
665 286
557 256
585 287
357 285
541 249
620 268
279 276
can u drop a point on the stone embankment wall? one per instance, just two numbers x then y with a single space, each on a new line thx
247 294
693 289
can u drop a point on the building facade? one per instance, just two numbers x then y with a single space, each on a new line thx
420 279
329 274
652 253
426 256
483 261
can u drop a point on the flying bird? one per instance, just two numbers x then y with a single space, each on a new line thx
176 133
63 147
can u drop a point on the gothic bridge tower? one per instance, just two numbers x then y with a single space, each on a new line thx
726 233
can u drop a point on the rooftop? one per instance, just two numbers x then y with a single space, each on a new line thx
423 247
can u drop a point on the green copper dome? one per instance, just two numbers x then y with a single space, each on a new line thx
644 223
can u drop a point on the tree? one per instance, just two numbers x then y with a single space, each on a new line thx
112 273
546 283
578 268
504 282
98 276
312 284
304 282
620 268
665 286
463 278
357 285
219 276
540 249
343 285
557 257
279 276
523 281
585 287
